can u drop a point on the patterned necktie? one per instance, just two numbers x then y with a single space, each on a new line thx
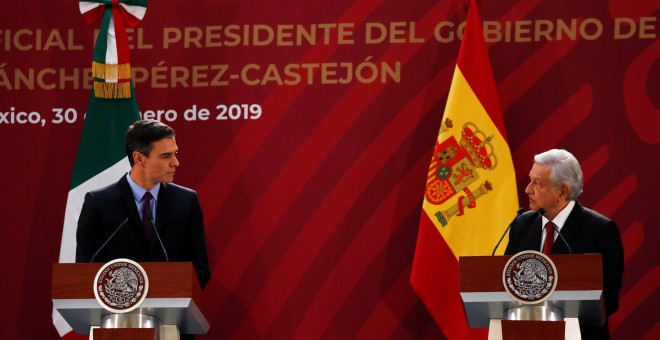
549 238
147 216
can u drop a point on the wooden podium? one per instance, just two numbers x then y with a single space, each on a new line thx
173 300
578 295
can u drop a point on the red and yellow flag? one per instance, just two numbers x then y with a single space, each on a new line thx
470 192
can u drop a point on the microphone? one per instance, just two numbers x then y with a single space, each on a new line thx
554 226
167 258
109 238
518 213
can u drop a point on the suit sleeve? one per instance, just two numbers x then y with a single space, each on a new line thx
522 235
198 244
612 252
89 233
511 245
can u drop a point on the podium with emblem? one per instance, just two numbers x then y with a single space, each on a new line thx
531 295
125 300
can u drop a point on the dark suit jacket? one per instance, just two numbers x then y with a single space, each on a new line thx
586 231
179 223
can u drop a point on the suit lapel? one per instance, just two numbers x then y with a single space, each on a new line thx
162 208
535 240
569 230
530 235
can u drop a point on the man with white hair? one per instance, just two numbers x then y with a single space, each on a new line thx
554 186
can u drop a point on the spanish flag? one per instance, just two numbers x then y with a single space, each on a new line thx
470 194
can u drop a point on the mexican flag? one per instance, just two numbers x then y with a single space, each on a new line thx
470 192
101 158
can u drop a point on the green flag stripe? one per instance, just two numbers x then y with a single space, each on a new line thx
102 39
102 141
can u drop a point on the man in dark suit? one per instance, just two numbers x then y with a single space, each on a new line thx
121 221
555 183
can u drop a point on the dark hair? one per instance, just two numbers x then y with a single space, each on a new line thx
142 133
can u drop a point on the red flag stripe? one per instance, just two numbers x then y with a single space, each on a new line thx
436 282
477 70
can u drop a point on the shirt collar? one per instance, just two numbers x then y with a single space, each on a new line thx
561 218
138 191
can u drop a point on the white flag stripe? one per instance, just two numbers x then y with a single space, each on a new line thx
111 55
74 205
86 6
136 11
60 324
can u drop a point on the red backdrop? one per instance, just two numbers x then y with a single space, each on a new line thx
312 209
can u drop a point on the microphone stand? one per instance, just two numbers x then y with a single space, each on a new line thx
518 213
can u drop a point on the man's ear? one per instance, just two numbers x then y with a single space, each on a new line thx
138 158
565 190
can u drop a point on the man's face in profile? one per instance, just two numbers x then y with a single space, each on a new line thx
162 162
542 193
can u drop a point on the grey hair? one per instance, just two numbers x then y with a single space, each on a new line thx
564 169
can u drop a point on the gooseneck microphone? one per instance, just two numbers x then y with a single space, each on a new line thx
167 258
518 213
109 238
554 226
